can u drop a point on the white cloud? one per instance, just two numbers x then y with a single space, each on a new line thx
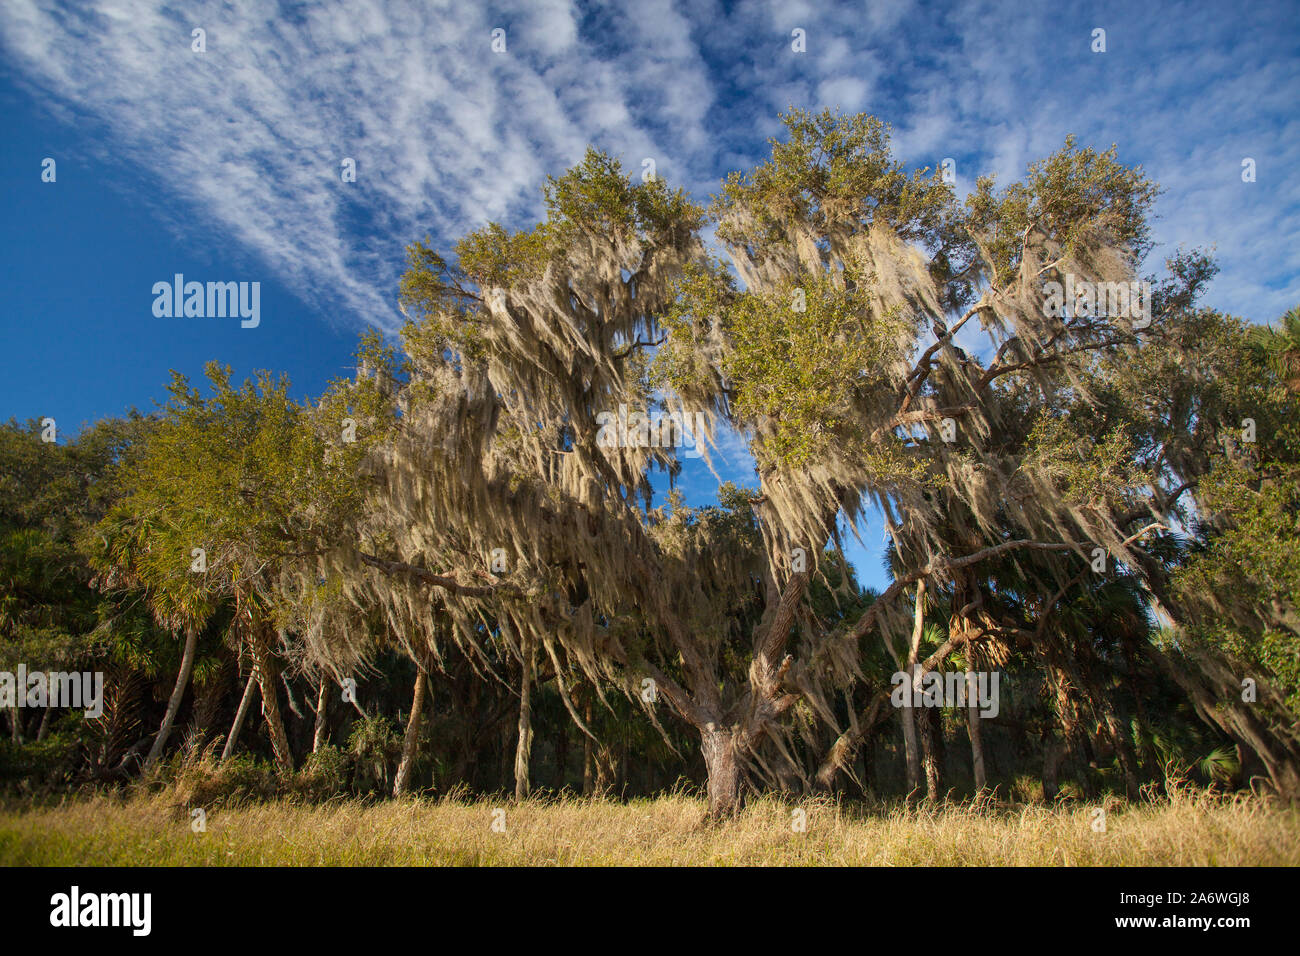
250 134
247 138
847 93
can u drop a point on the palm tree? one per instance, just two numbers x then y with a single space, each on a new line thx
1280 346
137 555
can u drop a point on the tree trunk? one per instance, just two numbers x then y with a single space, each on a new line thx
623 779
1053 753
1119 735
1065 684
909 711
908 715
562 754
588 783
719 747
322 708
412 739
524 746
605 769
264 668
288 695
45 725
178 693
930 752
15 724
249 687
973 726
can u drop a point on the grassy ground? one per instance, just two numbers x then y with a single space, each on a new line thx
672 830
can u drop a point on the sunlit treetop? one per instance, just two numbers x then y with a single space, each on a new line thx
1077 199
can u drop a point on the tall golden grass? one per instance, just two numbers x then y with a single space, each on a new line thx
1189 829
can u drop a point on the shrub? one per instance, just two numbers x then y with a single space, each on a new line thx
207 782
324 774
374 746
37 764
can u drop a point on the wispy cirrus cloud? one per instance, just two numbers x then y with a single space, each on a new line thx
240 146
249 135
246 139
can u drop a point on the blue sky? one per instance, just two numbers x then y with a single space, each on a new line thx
224 165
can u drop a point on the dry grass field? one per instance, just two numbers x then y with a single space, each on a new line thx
146 830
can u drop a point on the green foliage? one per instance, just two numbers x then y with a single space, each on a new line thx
50 496
831 169
204 781
1244 570
361 519
39 765
596 197
1087 472
1253 567
799 355
253 479
1070 197
324 774
449 303
373 747
1281 348
1220 765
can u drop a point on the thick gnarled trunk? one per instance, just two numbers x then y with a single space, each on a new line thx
719 748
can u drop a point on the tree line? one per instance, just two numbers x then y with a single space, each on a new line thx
413 573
